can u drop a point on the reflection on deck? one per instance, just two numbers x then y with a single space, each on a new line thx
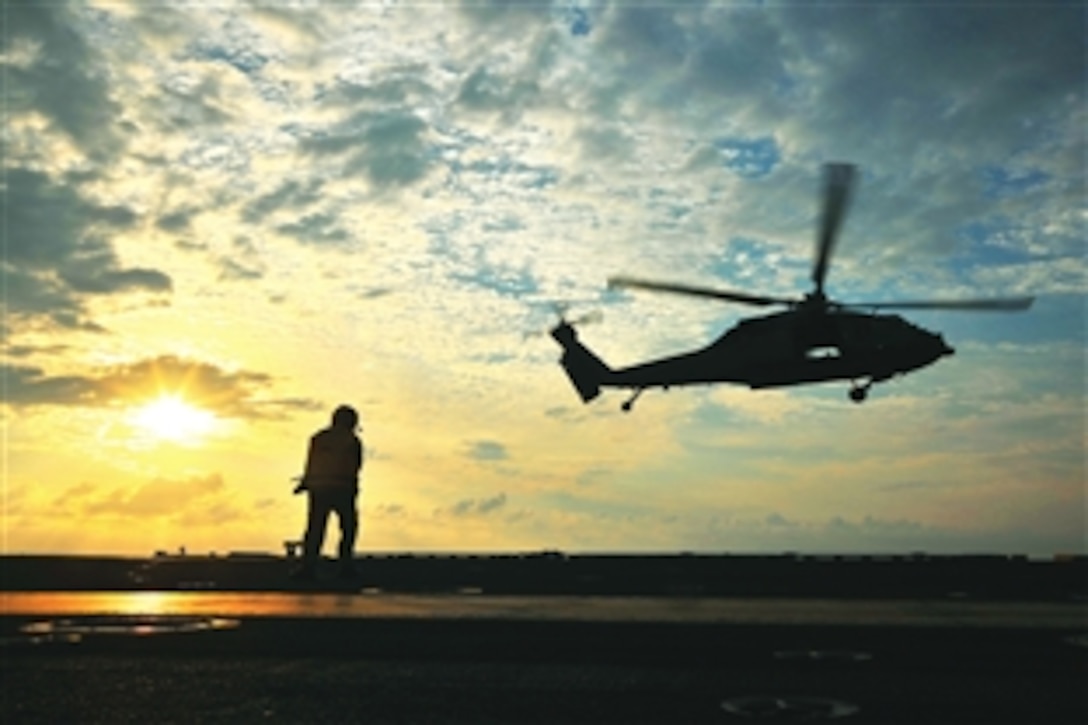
378 605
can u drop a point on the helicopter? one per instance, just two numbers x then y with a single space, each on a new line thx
812 340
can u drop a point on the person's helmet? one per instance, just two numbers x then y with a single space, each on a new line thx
345 417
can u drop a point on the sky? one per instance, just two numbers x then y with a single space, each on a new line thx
222 219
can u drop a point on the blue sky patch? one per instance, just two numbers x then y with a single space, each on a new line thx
750 158
748 261
578 20
985 246
472 269
508 283
1001 182
1049 320
243 59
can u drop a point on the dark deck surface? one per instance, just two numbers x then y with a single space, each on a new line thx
470 662
989 577
548 640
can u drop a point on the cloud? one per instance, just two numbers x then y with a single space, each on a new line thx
316 228
58 253
471 507
500 12
829 83
52 70
594 476
647 36
176 221
230 269
243 261
488 451
230 393
31 298
183 505
28 385
387 510
604 142
969 66
20 351
291 195
738 54
389 148
185 107
161 497
488 90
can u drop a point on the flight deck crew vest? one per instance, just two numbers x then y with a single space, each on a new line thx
334 460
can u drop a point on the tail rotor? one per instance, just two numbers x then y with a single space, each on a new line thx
592 317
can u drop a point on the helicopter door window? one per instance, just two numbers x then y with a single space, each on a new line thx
823 352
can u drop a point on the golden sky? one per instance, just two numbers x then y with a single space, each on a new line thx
221 222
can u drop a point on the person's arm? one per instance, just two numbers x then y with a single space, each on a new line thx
303 483
358 457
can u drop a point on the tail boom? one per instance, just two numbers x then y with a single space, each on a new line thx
586 371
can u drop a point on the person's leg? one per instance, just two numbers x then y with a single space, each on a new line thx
316 519
348 515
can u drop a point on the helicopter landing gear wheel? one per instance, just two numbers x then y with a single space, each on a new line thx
859 393
630 402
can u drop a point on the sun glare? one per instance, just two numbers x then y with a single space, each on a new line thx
171 418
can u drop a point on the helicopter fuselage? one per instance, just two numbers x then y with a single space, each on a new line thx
814 340
794 347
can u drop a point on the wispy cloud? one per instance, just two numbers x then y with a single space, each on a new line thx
474 507
487 451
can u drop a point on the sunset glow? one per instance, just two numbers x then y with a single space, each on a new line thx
221 220
172 419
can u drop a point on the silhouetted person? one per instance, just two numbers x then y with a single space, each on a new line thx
331 481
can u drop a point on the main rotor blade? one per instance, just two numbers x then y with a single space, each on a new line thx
838 181
694 291
1003 304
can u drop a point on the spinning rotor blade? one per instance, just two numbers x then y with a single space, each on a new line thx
1004 304
838 181
589 318
683 289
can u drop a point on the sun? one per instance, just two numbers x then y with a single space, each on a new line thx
170 418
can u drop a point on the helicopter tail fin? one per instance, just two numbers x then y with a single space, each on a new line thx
585 370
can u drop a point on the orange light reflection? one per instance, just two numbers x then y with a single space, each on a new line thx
249 604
